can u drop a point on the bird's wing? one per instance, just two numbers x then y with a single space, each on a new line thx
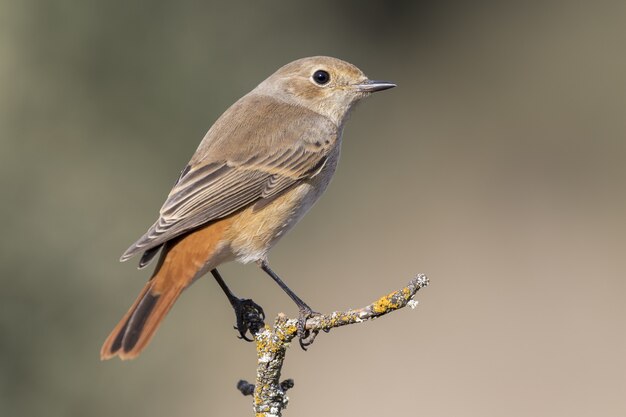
222 182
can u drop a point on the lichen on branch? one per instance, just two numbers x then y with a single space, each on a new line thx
272 344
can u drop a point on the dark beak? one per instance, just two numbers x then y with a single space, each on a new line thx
371 86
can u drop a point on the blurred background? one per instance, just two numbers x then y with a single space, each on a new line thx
497 167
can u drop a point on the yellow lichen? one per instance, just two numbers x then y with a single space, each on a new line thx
385 304
406 293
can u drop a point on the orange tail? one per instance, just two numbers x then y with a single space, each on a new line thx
179 265
134 331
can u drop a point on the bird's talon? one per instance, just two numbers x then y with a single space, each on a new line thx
249 317
305 336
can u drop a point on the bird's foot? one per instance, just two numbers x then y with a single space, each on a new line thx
306 337
250 318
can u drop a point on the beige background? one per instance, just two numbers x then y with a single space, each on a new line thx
497 167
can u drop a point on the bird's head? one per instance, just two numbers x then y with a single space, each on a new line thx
325 85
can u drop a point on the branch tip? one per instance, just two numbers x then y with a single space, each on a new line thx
245 387
421 280
287 384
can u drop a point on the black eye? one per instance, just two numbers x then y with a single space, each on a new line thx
321 77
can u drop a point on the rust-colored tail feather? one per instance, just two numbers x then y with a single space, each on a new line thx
133 333
181 261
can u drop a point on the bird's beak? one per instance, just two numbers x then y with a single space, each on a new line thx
370 86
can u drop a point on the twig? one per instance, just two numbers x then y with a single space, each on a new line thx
272 344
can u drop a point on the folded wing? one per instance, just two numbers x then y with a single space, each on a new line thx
217 186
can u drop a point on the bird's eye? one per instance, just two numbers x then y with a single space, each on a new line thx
321 77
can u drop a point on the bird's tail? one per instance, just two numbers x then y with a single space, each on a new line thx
182 260
133 333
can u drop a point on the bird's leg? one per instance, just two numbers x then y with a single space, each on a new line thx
249 314
304 335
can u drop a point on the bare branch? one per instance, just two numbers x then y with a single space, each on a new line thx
272 344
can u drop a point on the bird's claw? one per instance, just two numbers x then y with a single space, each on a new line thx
306 337
250 318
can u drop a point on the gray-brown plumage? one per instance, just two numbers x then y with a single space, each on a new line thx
257 171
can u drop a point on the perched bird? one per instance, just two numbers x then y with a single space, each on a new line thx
257 171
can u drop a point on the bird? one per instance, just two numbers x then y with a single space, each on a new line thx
261 166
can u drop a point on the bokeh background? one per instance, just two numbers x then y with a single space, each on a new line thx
497 167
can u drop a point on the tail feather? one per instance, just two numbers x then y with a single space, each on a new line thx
137 327
137 322
182 260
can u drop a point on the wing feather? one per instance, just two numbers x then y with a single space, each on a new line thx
218 185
